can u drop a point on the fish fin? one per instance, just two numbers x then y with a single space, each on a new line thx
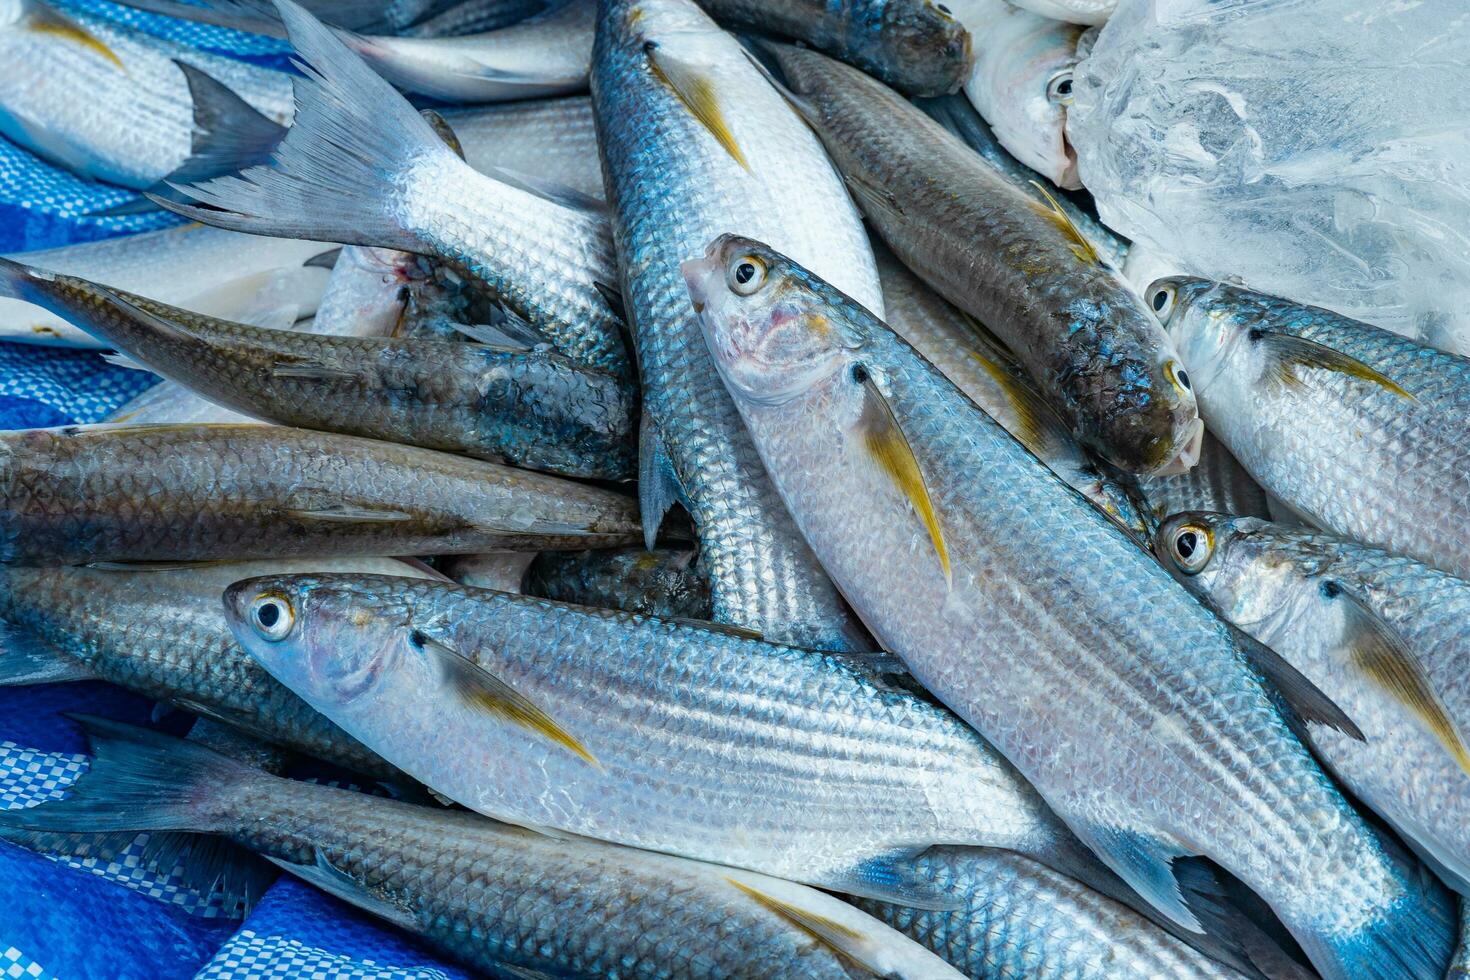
1145 863
1288 351
872 200
339 884
847 942
892 878
347 514
336 176
153 566
118 359
443 130
692 84
324 260
727 629
1037 427
1377 651
551 190
138 780
27 659
134 205
761 54
44 19
1081 246
482 690
229 133
1298 698
508 331
251 16
658 486
890 449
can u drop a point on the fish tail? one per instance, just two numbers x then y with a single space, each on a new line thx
340 173
139 780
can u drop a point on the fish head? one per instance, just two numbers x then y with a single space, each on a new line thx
768 331
1237 563
1022 84
637 24
328 639
923 35
1202 318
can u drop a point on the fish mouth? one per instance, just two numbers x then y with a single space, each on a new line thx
696 278
1188 455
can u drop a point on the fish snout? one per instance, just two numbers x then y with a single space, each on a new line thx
1189 451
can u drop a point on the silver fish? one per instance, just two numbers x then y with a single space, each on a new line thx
1218 483
694 143
206 492
113 103
663 582
1037 620
1384 636
475 17
970 357
1091 12
366 294
207 270
499 899
360 166
1356 429
502 571
555 139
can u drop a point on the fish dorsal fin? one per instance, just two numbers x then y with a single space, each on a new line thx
1378 652
1288 351
44 19
443 130
692 85
843 940
886 444
483 691
334 881
1081 246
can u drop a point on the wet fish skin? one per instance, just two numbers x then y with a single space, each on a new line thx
474 17
496 898
1009 260
671 186
236 492
1284 585
916 46
974 566
987 374
367 292
535 409
1023 921
1218 483
662 582
1348 453
555 139
162 633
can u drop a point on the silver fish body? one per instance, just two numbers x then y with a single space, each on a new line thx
1038 621
1358 430
473 17
672 185
1217 483
662 582
498 899
366 294
1331 606
205 492
554 139
1012 260
673 737
503 571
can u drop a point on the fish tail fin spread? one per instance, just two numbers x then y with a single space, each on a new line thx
338 175
139 780
1411 938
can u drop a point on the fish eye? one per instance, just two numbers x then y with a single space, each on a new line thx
272 616
943 9
1177 376
1191 548
1059 88
746 274
1161 301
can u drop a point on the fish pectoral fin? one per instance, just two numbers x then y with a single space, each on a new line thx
692 84
45 19
335 882
324 260
483 691
1286 352
27 659
849 943
1298 699
893 878
346 514
1146 863
119 359
658 486
887 446
1081 247
1378 652
1038 428
872 200
507 332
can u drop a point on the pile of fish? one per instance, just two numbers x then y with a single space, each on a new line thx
746 512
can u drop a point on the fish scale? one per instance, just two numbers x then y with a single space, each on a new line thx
672 187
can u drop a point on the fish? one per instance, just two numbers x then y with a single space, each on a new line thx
499 899
535 409
1218 483
694 142
367 292
1460 966
917 46
663 582
1022 921
555 139
373 16
220 273
1090 12
1356 429
360 166
1041 623
112 103
131 493
1384 637
162 633
547 54
976 363
1021 83
473 17
503 571
1011 260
